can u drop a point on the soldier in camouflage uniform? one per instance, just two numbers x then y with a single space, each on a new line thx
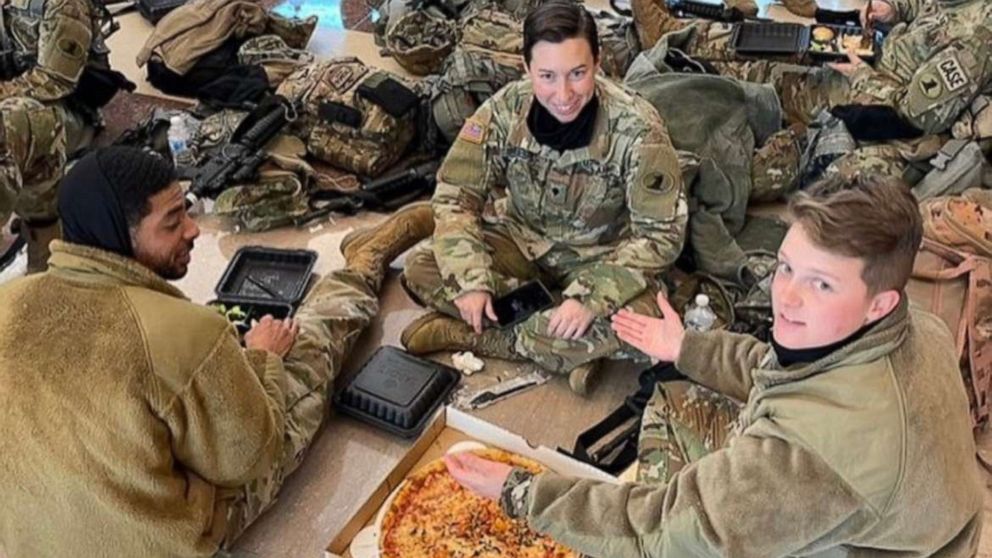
934 63
602 221
44 47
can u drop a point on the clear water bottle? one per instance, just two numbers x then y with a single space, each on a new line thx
699 316
179 141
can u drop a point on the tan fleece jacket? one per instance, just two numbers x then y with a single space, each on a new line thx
125 409
866 452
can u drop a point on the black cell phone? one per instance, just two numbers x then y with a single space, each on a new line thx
521 303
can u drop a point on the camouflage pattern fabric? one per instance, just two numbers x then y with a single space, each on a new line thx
618 43
295 32
493 29
962 222
367 149
276 199
334 314
274 56
514 500
775 166
54 45
933 64
510 269
420 42
470 76
600 222
682 423
616 208
32 158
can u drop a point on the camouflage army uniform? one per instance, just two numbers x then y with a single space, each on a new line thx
602 221
331 318
682 422
52 41
934 63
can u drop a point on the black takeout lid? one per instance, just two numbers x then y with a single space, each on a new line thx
397 391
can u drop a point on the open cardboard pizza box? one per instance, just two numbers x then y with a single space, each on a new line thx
449 427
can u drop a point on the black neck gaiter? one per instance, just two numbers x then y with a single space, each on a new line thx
547 130
787 357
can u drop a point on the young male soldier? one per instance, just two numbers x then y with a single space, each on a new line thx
594 205
134 423
853 438
46 46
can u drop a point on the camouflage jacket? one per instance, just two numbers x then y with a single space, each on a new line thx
933 63
52 42
618 203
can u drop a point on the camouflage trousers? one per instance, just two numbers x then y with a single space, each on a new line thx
334 314
32 158
682 422
422 278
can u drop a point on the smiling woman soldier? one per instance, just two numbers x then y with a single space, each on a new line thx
594 205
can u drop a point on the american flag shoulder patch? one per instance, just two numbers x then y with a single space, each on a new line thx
472 131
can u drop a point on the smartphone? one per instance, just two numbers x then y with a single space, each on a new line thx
521 303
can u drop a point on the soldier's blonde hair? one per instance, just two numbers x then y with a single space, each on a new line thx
871 217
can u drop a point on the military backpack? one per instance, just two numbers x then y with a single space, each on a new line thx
355 117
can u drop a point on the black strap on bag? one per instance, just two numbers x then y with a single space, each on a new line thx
611 444
394 97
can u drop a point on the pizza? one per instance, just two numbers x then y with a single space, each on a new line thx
432 516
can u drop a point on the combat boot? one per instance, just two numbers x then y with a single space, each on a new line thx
38 236
370 250
804 8
435 332
583 376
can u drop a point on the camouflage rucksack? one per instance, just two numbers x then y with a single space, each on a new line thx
618 43
492 29
471 75
277 198
355 117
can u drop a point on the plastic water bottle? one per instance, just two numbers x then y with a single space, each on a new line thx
699 316
179 142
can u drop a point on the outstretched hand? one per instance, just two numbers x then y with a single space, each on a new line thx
660 338
481 476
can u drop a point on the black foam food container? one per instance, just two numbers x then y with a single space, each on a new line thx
840 55
256 310
751 37
262 274
397 391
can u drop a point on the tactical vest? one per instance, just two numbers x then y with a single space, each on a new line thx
20 24
355 117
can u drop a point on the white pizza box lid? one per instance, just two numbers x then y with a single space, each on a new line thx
453 422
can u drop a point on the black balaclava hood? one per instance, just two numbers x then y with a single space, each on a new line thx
91 210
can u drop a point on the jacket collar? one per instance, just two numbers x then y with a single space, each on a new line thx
885 337
85 264
598 148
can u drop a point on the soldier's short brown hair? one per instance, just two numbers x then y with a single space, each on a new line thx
556 21
872 217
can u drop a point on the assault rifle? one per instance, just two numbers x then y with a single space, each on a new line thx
237 161
388 192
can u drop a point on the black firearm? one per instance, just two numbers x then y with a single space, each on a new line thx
386 192
237 161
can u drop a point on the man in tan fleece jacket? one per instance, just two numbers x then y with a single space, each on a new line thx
852 438
133 424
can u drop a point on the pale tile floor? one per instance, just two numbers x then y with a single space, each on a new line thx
316 500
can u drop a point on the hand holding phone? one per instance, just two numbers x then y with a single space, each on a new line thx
521 303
